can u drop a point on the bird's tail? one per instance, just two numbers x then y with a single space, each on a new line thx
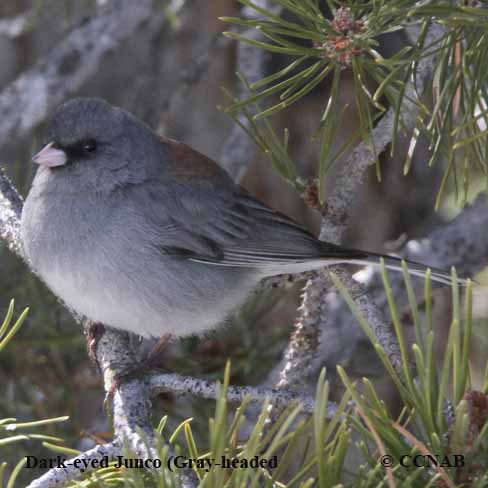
414 268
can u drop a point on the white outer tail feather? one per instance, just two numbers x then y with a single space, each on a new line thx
414 269
300 265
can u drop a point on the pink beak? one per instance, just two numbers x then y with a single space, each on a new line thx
50 156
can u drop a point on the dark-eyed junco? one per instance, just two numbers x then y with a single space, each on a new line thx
143 233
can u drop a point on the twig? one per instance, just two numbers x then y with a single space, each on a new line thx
304 339
180 385
284 280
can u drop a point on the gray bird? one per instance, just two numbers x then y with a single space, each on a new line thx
142 233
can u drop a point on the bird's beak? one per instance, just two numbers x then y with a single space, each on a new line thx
50 156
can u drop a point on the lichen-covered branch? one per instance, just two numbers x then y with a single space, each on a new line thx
180 385
10 211
30 98
304 339
131 398
58 477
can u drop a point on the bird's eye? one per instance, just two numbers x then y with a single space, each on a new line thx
89 146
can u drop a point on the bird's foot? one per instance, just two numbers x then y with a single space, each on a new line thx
94 334
149 362
157 351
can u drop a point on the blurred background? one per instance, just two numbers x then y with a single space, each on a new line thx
171 74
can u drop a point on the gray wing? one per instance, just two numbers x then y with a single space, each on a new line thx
202 215
225 226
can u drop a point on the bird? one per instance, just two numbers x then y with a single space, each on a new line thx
142 233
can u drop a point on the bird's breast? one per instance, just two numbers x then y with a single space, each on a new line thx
105 262
57 231
82 251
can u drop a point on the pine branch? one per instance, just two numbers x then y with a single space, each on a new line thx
239 148
314 310
351 175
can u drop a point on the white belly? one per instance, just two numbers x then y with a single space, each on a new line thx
177 304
